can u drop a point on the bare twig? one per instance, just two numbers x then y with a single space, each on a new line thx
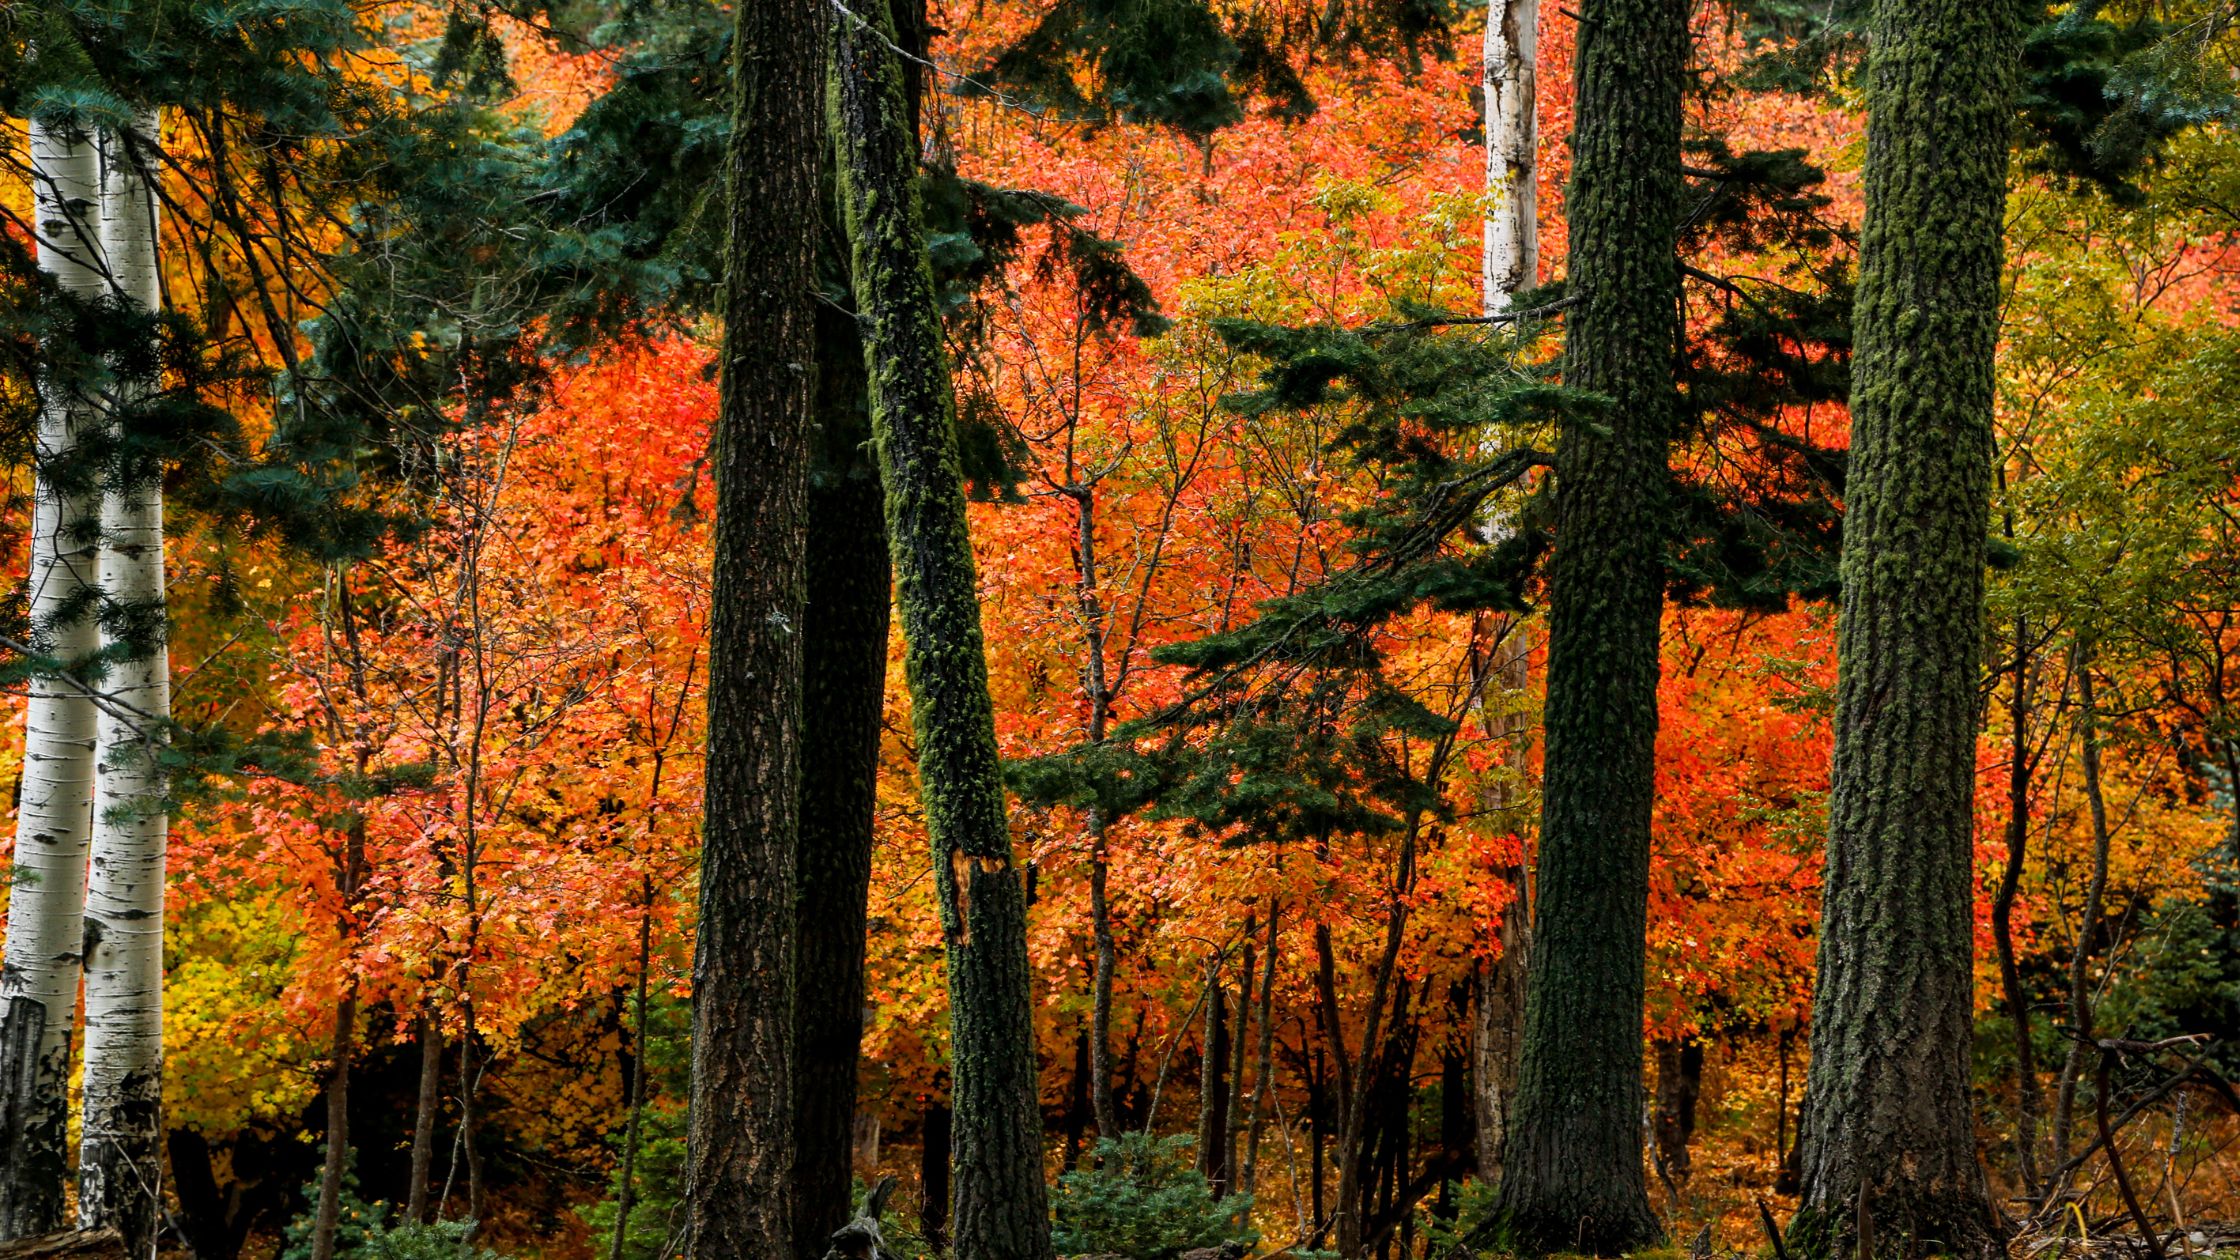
2147 1232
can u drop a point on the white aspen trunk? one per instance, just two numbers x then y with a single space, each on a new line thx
1512 58
1512 262
46 909
119 1158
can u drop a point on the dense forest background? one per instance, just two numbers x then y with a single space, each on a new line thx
1261 513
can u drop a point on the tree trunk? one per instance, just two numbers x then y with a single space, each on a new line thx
1378 1042
1512 229
1097 696
213 1222
470 1086
1785 1139
1000 1211
77 1244
934 1141
120 1153
1890 1139
1511 262
1100 1000
1497 1026
1318 1127
429 1100
337 1163
1264 1062
633 1128
1213 1081
1079 1113
46 900
1240 1052
1679 1083
2028 1103
350 877
2081 1034
844 697
1571 1166
740 1158
1457 1146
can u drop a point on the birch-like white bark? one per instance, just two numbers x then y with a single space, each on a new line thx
1512 263
45 925
1512 58
119 1162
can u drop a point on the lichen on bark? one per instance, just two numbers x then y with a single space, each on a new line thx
1889 1149
999 1197
1572 1161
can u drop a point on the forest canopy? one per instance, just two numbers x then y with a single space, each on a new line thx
1138 629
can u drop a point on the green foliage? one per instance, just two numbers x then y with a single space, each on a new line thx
1290 727
1190 65
444 1240
640 171
359 1219
657 1212
2183 975
1144 1200
1473 1209
2107 84
1162 62
364 1231
1754 515
2104 93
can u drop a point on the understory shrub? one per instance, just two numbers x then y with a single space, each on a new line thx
1143 1199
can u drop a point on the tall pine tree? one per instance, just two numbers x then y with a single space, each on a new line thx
1889 1147
843 687
740 1161
1000 1211
1571 1165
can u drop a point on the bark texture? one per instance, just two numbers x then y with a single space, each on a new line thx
1679 1085
46 906
1511 262
1497 1023
1213 1081
1572 1168
844 695
337 1162
120 1152
2029 1101
1512 228
419 1206
2082 1035
1890 1140
740 1147
999 1207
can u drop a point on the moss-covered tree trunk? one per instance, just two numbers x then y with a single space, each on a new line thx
844 695
740 1146
1890 1140
1571 1168
1000 1211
